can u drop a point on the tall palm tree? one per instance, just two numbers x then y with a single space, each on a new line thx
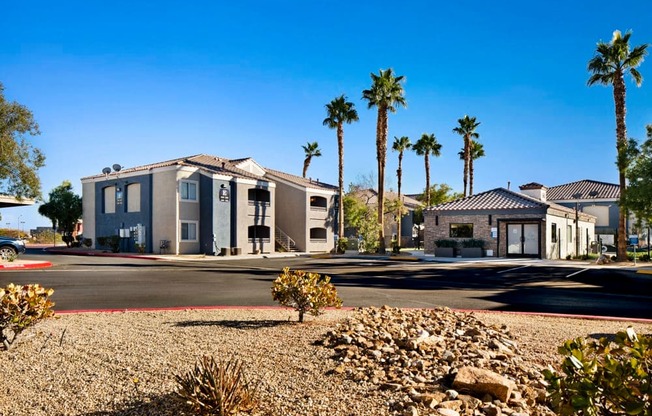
466 129
312 150
386 94
400 145
338 112
427 145
612 61
477 151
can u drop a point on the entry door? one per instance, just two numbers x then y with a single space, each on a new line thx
523 239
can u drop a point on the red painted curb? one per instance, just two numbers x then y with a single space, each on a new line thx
36 265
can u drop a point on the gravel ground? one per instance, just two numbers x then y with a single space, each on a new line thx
124 363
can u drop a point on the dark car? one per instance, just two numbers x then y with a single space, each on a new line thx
10 247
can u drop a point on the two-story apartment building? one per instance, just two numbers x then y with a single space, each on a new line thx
197 204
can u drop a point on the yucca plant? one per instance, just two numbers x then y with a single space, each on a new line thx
217 387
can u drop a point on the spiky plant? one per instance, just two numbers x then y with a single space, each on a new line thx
217 387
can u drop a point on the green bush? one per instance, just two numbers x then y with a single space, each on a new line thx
217 388
473 243
305 292
445 243
112 242
603 377
20 308
342 245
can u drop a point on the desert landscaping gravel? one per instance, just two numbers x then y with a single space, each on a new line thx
124 363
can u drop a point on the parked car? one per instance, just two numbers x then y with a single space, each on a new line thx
10 247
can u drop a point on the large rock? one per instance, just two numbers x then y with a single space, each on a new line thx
478 382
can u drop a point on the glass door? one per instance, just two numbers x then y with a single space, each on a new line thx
523 239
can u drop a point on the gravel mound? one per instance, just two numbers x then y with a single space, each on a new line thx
110 364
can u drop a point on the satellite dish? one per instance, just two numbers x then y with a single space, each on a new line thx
106 171
117 167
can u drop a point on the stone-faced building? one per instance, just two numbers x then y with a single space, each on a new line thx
511 224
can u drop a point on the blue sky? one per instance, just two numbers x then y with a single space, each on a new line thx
138 82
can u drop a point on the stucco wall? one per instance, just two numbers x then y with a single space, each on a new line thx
88 210
255 214
291 218
164 209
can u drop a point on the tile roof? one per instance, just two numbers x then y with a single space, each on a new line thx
299 180
372 196
584 189
212 164
532 185
499 198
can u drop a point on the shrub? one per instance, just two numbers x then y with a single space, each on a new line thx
140 248
87 242
22 307
305 292
603 377
445 243
216 387
342 245
112 241
473 243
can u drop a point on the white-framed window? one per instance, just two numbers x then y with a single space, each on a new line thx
108 199
189 231
188 190
133 197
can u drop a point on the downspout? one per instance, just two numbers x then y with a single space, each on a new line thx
176 217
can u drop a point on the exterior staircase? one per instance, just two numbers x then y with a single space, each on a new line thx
284 241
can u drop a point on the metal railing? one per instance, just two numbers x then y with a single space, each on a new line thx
284 240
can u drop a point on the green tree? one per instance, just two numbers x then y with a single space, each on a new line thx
638 198
427 145
400 145
386 94
439 194
311 150
19 160
64 209
611 62
359 214
476 152
338 112
466 129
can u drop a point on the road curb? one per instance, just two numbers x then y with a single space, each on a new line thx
20 265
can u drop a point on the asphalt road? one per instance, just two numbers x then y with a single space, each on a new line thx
121 283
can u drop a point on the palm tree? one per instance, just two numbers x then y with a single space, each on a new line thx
466 129
426 146
386 94
400 145
312 150
338 112
612 61
477 151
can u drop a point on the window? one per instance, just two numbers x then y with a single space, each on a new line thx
258 232
553 232
189 231
461 231
318 234
258 196
108 199
569 233
133 197
318 203
188 190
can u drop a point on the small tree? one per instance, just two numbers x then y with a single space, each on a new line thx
64 209
20 308
305 292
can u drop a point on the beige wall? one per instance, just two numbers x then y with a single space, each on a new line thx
164 209
291 214
249 215
88 213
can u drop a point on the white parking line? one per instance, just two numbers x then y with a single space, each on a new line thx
515 268
577 272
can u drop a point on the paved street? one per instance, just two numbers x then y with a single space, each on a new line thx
121 283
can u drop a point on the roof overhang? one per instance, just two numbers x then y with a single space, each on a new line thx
7 201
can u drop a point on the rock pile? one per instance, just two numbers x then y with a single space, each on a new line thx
438 362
